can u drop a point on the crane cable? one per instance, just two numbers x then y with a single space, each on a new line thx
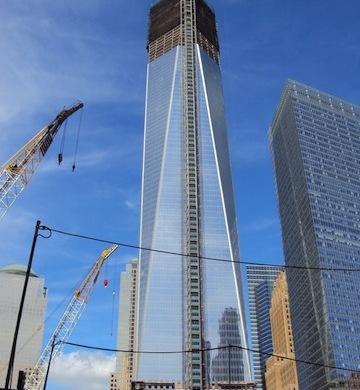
77 142
60 155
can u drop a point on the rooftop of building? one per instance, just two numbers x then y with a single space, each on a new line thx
17 269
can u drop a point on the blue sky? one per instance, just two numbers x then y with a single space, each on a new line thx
54 53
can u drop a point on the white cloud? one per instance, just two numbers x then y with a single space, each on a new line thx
82 371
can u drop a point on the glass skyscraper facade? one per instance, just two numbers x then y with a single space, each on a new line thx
187 208
315 143
260 281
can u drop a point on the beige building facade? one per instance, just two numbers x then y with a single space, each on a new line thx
281 367
121 378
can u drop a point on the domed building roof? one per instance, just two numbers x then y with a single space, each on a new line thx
17 269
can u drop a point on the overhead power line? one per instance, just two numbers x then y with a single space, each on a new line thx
207 350
81 236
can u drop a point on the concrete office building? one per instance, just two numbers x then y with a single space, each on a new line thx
315 143
126 334
30 336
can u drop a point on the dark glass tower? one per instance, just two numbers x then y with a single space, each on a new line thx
187 205
260 280
315 142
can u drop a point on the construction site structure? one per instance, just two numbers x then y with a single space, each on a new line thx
37 378
144 385
17 171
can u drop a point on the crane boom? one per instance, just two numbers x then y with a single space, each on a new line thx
35 380
17 171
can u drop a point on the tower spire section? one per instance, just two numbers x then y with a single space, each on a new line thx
195 366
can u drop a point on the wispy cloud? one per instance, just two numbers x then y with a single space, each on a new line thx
14 237
65 57
94 158
132 204
250 151
260 224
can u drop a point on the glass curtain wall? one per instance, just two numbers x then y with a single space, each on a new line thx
162 303
316 145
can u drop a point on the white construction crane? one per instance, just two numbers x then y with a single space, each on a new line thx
17 171
36 379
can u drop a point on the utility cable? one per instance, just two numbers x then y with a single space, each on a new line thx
200 257
51 230
207 350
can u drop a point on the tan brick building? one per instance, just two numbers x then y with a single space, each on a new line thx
281 368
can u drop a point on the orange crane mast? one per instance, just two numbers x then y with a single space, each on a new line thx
17 171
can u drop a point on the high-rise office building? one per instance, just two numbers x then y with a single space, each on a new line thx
187 206
28 347
260 281
126 334
315 143
281 367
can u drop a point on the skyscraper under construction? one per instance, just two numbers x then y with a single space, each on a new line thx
190 304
